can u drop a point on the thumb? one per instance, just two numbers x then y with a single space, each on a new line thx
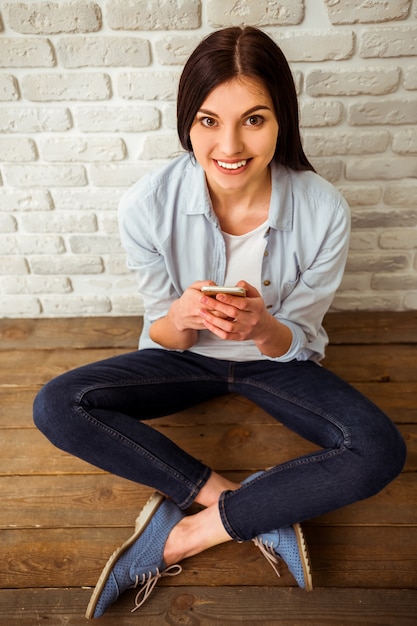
251 292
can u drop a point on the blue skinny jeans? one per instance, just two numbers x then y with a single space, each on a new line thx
95 412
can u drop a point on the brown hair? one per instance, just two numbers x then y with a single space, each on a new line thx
233 52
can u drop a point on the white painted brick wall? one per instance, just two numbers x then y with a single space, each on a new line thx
87 106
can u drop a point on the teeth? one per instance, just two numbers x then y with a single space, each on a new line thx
232 166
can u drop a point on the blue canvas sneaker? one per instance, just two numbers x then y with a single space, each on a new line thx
139 561
289 545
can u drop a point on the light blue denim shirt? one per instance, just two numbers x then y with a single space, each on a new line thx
172 238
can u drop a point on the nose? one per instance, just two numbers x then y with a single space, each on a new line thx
230 141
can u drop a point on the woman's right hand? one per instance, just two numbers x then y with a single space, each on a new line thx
185 312
178 330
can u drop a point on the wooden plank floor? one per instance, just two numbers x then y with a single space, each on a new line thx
61 518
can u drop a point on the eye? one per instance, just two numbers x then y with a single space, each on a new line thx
208 122
254 120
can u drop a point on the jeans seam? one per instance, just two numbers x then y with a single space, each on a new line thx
145 381
129 443
347 439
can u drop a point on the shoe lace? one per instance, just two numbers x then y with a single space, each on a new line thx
149 581
269 553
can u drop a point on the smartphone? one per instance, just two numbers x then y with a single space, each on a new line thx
213 290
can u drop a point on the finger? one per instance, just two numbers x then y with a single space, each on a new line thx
223 324
251 291
224 310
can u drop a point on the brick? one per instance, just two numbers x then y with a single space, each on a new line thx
127 304
122 175
66 264
384 218
97 244
356 282
28 52
17 285
381 168
389 42
9 89
351 82
75 305
175 49
399 239
381 262
361 195
117 119
366 302
313 46
108 223
52 87
298 80
345 142
84 198
59 222
20 306
48 18
116 264
10 265
104 284
394 282
8 223
320 113
160 146
410 301
148 85
261 13
17 149
45 175
66 149
154 14
169 116
330 169
410 77
362 11
383 112
403 194
32 244
363 240
34 120
76 52
25 200
405 141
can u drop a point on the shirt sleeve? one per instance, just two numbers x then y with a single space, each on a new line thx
140 238
303 309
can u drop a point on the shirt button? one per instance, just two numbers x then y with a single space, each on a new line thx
269 306
266 253
267 283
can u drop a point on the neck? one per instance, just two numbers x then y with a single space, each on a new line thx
240 213
247 198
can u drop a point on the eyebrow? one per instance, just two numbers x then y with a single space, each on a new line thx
261 107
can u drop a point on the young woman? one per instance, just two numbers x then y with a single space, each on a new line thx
242 207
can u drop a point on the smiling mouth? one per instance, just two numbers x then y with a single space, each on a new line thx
232 166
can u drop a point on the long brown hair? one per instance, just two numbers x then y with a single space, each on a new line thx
233 52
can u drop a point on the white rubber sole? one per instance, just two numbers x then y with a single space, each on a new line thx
305 557
142 521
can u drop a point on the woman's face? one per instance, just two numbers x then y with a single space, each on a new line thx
234 135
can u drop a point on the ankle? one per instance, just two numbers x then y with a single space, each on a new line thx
214 487
194 534
174 550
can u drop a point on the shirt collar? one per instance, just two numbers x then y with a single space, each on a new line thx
281 207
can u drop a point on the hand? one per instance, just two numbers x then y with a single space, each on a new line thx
233 317
185 312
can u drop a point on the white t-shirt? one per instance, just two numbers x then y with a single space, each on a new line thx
244 255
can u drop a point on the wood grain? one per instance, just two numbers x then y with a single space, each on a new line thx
61 518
